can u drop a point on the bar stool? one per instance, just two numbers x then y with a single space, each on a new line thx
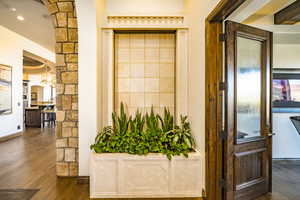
48 115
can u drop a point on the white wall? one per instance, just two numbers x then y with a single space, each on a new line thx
11 53
89 14
286 142
87 72
286 56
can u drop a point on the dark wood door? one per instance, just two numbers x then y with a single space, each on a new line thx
247 153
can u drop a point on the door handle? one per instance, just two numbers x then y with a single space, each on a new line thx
271 134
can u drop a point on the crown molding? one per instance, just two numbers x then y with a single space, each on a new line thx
145 21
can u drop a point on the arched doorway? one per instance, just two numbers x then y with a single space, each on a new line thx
66 33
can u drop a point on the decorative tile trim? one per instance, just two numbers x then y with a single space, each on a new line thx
149 20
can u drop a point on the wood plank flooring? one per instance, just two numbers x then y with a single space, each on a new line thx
28 162
286 180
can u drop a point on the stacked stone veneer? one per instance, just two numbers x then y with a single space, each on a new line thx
64 17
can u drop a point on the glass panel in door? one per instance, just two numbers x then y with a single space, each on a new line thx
248 88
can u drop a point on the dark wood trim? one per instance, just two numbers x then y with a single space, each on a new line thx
288 15
9 137
214 97
269 100
204 194
83 180
213 112
224 9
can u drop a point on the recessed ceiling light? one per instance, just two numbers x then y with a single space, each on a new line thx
13 9
21 18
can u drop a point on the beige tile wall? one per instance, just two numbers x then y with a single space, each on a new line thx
145 71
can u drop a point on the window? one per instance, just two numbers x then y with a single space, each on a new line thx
49 93
145 71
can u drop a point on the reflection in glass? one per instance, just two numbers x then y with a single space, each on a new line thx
286 92
248 84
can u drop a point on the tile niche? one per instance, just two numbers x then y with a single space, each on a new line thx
144 74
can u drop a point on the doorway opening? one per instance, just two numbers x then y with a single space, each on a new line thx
49 33
281 134
39 95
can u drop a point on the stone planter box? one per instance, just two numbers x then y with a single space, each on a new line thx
120 175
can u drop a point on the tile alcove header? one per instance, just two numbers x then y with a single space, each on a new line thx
145 20
144 23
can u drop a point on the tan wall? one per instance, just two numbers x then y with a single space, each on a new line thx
196 12
39 91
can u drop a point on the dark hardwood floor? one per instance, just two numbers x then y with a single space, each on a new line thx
286 180
28 162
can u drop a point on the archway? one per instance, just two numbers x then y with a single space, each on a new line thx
64 18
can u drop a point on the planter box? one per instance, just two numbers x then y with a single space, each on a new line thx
120 175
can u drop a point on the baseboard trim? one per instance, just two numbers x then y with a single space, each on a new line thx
204 194
9 137
83 180
79 179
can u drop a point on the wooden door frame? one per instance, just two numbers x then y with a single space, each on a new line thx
213 96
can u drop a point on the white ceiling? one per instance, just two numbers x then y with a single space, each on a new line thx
263 17
37 25
269 8
260 13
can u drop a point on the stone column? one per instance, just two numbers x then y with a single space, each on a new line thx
65 22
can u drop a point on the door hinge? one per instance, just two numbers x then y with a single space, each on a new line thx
222 183
222 37
222 86
223 135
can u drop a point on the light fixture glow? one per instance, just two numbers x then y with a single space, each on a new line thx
13 9
21 18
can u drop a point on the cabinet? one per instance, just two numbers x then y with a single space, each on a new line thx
33 117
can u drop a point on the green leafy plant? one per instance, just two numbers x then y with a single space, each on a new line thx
143 134
120 123
167 123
